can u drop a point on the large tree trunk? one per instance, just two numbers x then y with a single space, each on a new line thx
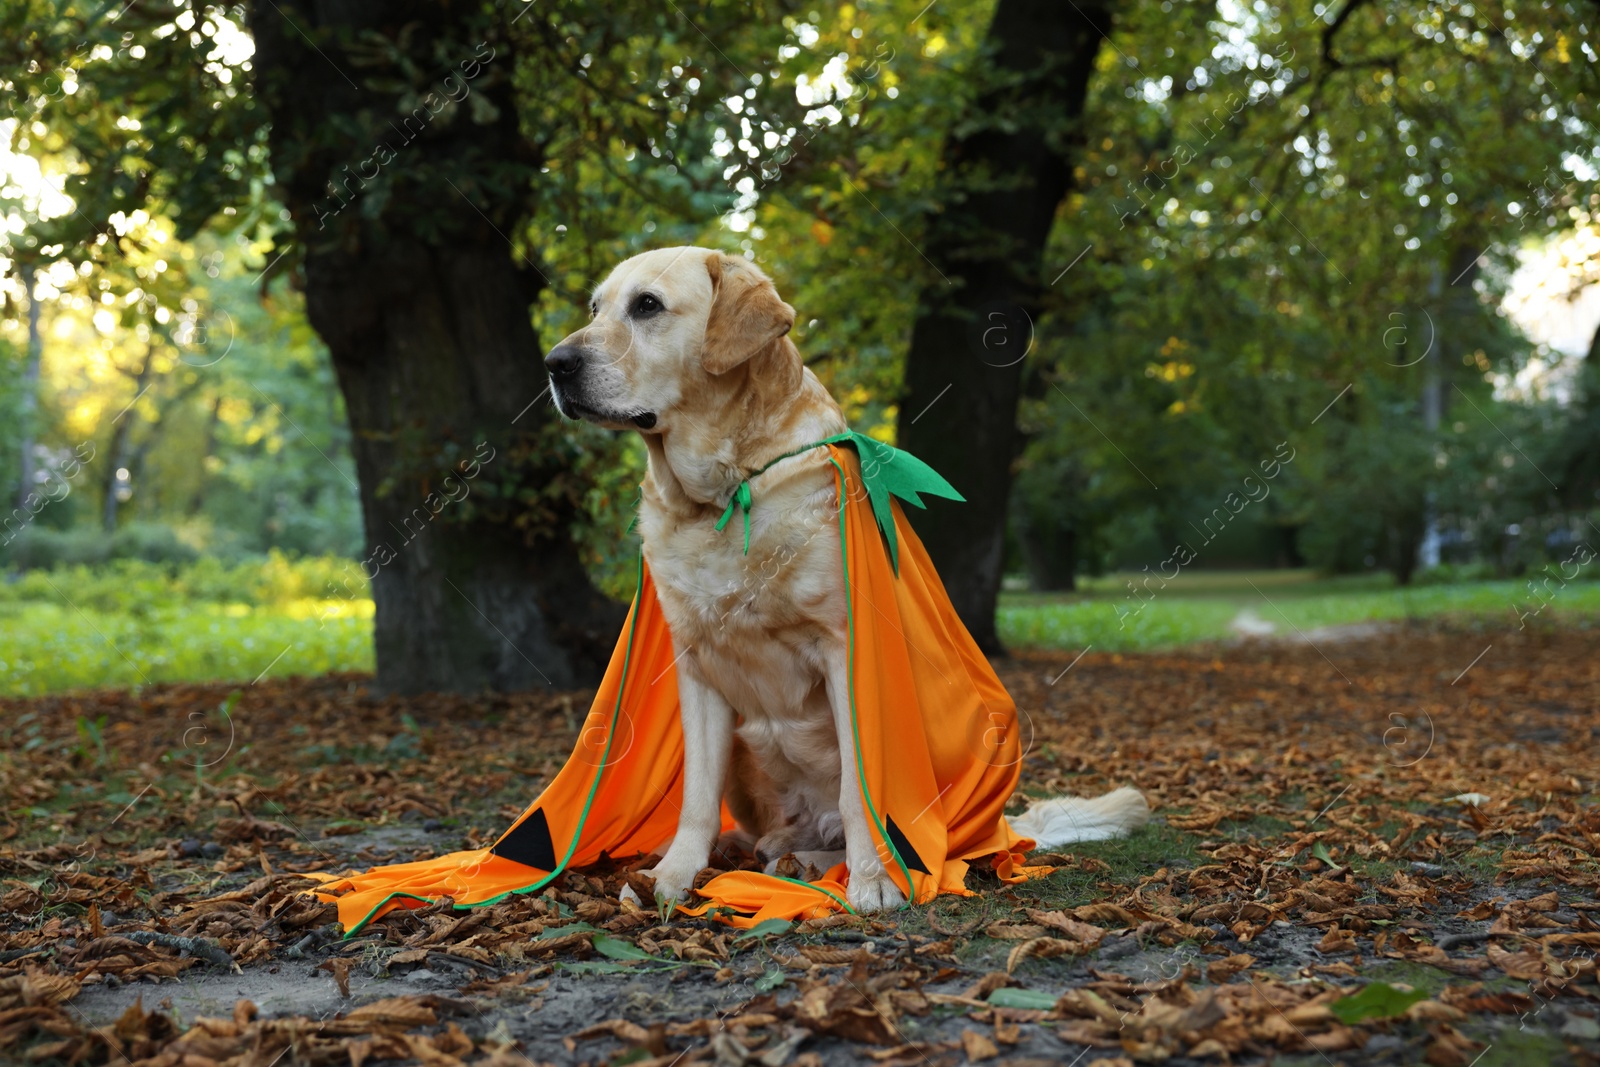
1050 552
415 291
1004 182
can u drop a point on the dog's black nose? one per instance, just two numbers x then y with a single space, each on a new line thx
564 361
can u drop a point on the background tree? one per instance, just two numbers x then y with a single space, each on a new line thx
1301 209
404 187
1273 225
1007 165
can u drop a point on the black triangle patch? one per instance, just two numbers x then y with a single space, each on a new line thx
908 855
528 843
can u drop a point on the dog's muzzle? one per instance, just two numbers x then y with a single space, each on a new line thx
565 364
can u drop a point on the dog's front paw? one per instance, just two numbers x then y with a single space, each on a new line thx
870 893
672 884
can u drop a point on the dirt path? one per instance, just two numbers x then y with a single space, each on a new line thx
1409 817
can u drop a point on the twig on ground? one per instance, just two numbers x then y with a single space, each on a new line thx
199 947
1449 941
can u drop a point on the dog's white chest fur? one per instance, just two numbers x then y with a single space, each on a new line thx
728 609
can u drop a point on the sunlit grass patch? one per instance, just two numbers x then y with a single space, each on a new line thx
1204 606
131 623
47 648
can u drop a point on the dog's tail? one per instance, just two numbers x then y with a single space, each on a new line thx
1065 820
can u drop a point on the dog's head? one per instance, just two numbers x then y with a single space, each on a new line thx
675 332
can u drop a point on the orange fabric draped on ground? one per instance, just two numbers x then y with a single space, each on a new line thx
938 756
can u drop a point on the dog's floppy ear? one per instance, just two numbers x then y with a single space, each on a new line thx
746 314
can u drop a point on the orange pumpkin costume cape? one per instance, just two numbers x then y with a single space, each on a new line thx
937 749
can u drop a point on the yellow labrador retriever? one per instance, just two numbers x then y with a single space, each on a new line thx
689 348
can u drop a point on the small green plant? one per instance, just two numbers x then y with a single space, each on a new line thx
92 732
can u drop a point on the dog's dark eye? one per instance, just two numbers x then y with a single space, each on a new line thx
645 304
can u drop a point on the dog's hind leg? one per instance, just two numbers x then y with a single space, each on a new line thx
752 798
707 746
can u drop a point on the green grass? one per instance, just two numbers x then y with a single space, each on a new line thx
131 623
1129 859
1200 606
1138 855
46 648
128 623
1514 1047
1141 853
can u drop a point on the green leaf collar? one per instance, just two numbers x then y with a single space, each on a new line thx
886 472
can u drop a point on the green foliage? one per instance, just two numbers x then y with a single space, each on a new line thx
82 71
267 416
230 425
12 360
1270 206
41 546
141 586
1274 212
1376 508
1376 1000
606 538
